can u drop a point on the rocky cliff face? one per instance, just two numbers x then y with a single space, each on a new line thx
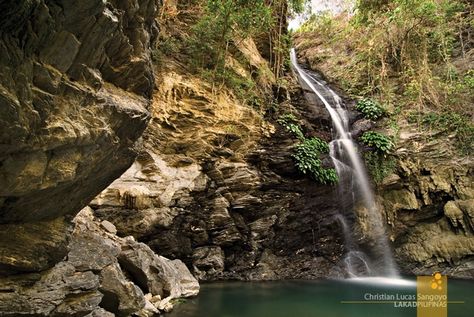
75 82
75 88
217 188
429 204
103 275
427 200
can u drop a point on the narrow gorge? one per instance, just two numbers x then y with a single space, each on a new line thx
208 158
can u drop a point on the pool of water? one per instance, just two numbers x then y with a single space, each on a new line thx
328 298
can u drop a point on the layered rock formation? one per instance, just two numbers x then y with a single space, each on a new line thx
429 204
103 275
75 82
75 87
217 188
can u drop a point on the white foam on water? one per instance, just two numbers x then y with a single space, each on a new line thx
383 281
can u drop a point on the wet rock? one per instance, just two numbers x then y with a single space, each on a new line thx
434 247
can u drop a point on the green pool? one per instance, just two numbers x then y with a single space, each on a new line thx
328 298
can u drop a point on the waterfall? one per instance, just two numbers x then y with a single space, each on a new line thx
353 181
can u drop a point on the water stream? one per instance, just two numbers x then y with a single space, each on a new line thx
353 182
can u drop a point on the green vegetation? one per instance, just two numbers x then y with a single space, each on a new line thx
167 47
378 161
370 109
290 123
411 56
307 160
210 38
297 6
308 151
378 141
221 23
449 122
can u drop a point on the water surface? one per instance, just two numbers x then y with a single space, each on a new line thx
313 299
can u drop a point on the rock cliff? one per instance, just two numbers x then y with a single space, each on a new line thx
216 187
103 275
429 205
76 81
427 200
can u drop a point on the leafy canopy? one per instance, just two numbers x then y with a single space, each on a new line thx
222 22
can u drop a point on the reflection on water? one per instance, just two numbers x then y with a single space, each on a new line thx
313 299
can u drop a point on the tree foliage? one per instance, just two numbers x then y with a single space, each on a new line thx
222 22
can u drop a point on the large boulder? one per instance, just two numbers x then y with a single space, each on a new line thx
98 278
75 84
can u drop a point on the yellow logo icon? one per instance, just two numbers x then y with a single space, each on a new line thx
436 283
432 296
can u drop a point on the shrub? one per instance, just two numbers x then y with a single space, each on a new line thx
307 161
381 143
290 123
388 47
318 144
307 152
468 79
223 21
370 109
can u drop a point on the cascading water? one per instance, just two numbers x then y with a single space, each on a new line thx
353 182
